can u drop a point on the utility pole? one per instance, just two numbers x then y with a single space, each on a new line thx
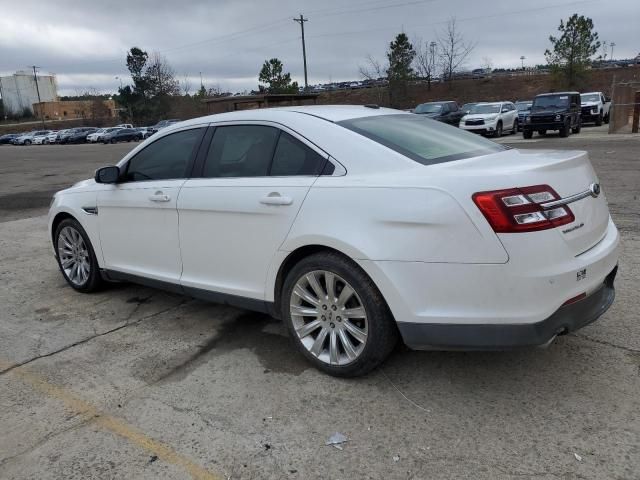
35 77
301 21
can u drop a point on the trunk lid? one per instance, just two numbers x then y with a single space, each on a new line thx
567 172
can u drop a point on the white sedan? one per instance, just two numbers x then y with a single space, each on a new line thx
491 118
353 224
42 138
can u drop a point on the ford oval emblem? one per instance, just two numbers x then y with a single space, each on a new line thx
595 189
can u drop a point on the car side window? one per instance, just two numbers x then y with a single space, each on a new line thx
241 151
166 158
292 157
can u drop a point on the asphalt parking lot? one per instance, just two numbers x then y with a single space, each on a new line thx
137 383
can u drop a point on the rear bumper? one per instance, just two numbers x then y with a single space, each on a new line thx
566 319
520 302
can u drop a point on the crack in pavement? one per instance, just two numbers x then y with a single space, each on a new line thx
47 438
97 335
604 342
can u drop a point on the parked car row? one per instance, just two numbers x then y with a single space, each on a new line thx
120 133
565 112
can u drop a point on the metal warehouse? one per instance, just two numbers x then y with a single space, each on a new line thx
19 91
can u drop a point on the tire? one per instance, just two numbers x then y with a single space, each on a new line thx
577 128
27 142
72 245
514 130
599 120
606 118
564 130
113 140
369 337
542 132
45 142
527 134
498 132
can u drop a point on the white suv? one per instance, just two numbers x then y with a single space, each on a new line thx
491 118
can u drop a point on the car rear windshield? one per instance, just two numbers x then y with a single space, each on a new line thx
422 139
522 106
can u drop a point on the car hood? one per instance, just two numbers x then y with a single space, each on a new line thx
589 104
480 116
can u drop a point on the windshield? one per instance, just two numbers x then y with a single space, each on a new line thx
523 107
467 107
429 108
422 139
551 101
590 97
486 108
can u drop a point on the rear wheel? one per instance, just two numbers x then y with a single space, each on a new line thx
515 126
577 128
527 134
76 258
606 118
27 142
336 316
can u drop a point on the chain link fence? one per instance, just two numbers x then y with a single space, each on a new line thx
625 107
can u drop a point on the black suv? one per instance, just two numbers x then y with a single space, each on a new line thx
554 111
447 112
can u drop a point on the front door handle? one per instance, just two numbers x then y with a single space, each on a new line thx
159 197
274 198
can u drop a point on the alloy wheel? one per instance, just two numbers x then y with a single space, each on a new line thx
74 256
329 317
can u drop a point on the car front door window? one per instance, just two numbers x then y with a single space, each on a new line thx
166 158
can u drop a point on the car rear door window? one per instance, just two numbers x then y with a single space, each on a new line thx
292 157
241 151
166 158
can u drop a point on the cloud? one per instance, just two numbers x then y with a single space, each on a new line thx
228 40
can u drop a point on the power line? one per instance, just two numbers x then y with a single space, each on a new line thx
464 19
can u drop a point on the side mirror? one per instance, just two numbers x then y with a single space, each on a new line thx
109 174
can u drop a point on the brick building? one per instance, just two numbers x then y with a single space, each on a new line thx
75 109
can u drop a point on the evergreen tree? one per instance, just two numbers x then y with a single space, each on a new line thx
572 51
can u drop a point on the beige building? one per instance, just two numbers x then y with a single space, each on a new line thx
75 109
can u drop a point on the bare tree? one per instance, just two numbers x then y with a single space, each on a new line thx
161 76
373 70
454 49
425 62
186 85
487 64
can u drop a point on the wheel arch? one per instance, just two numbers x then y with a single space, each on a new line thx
57 219
296 256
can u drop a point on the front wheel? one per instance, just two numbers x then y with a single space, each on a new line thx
76 258
527 134
514 130
599 120
336 316
498 131
577 128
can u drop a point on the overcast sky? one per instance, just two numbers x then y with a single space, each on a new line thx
85 42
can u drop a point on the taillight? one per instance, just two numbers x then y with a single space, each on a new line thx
519 210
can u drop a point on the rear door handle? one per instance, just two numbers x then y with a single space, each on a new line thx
159 197
274 198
